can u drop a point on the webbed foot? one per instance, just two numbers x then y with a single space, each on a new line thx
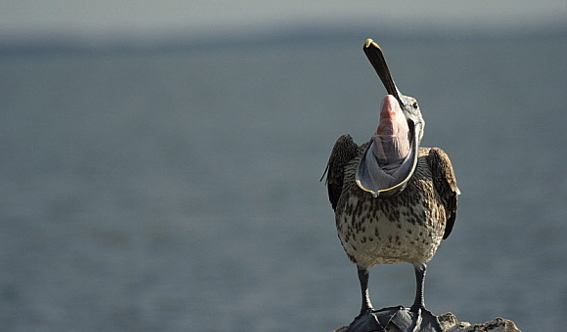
396 319
424 320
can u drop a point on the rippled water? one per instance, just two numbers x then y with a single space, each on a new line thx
179 191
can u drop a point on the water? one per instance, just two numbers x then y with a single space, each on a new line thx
179 191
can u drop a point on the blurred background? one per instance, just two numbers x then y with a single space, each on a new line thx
160 161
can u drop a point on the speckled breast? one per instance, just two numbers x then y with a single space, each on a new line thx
405 228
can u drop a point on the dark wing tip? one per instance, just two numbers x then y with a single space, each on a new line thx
445 183
343 151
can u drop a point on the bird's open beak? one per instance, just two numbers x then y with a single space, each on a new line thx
376 57
368 173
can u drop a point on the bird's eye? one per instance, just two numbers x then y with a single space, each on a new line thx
414 105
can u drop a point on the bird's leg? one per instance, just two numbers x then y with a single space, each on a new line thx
420 270
366 321
363 275
424 320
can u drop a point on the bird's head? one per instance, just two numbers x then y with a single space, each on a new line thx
400 122
406 104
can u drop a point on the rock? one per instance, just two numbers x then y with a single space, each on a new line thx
449 323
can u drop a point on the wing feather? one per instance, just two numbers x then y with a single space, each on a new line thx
445 183
343 152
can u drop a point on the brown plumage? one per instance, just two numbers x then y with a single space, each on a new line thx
407 227
388 220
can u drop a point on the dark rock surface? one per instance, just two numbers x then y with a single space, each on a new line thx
450 323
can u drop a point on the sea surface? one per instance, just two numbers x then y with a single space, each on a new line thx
179 190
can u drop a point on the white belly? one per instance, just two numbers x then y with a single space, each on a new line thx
373 237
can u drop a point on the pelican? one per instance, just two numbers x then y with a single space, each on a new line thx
394 201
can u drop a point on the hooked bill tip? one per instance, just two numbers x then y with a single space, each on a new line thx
369 42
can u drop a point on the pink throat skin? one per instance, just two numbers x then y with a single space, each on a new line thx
391 138
392 120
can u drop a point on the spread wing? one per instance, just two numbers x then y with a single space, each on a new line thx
344 151
445 183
